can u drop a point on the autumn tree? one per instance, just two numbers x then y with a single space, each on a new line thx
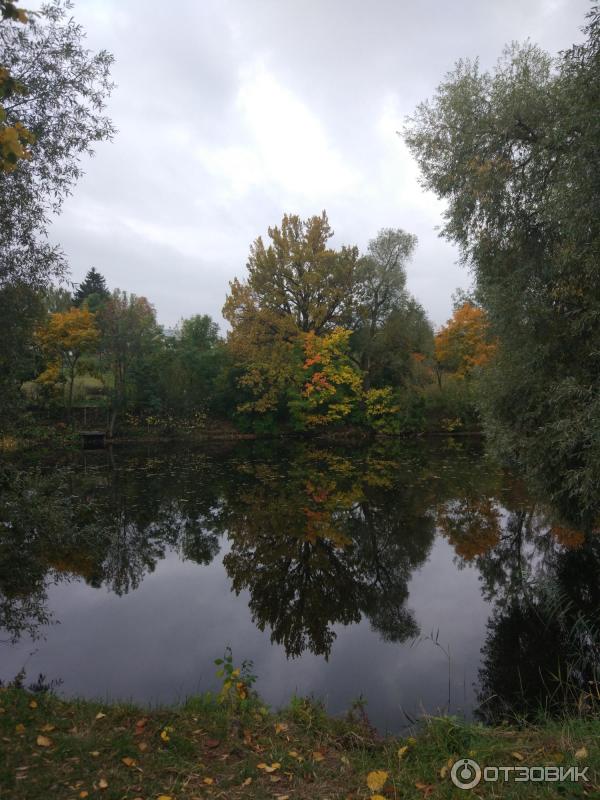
331 383
14 137
64 339
464 343
514 153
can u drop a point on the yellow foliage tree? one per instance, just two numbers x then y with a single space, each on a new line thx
13 138
65 337
333 384
464 343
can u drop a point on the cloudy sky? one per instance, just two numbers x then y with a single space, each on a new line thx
232 112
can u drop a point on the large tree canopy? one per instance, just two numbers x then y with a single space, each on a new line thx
65 87
516 154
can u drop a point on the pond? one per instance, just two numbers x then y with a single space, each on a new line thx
415 575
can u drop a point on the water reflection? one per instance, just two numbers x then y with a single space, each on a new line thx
314 538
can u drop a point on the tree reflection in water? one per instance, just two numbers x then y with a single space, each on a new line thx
319 535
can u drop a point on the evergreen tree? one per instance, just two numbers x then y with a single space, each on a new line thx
93 284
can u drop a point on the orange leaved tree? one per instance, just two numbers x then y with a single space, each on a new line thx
65 337
464 343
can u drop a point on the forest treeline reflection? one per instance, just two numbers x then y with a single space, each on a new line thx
319 535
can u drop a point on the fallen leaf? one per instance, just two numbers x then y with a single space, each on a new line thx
141 723
247 782
47 728
129 762
83 794
376 780
402 751
103 783
377 797
164 797
212 743
33 704
268 768
581 753
317 756
208 781
280 726
20 728
275 778
95 753
443 772
100 715
143 746
282 797
43 741
518 756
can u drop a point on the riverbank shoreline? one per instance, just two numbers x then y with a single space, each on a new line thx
206 749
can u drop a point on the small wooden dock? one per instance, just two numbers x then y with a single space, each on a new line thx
93 439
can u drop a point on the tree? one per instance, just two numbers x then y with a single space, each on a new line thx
14 138
64 339
298 276
382 282
515 155
65 87
463 344
92 289
129 335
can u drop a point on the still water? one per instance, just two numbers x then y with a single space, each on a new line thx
411 574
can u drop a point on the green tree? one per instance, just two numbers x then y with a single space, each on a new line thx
515 155
129 339
381 290
65 87
92 290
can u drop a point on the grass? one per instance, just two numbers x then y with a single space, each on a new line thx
52 748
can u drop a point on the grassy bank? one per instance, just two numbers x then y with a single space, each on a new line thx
206 749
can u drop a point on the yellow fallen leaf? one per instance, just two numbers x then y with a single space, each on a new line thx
345 760
411 740
164 734
33 704
143 746
377 797
317 756
581 753
43 741
83 794
20 728
280 726
47 728
443 772
95 753
208 781
164 797
275 778
275 765
100 715
376 780
282 797
103 783
247 782
129 762
402 751
518 756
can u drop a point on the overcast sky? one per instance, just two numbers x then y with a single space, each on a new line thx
233 112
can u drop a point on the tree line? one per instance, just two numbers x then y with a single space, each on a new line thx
320 336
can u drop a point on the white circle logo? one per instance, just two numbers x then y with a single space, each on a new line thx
465 773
